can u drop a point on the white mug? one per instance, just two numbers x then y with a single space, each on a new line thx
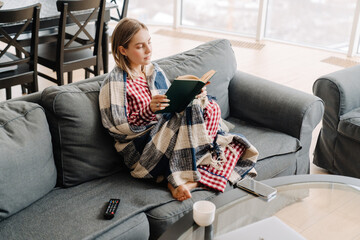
204 213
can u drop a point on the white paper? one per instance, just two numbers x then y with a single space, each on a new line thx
271 228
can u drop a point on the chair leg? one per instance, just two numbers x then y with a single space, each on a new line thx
8 93
97 69
23 89
70 77
87 73
34 85
60 78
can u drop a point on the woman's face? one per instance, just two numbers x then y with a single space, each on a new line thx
139 49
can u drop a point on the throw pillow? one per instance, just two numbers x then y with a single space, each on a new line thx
83 149
27 169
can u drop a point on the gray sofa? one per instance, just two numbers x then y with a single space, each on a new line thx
58 166
338 145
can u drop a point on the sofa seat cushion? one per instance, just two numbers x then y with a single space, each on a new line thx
276 166
349 125
136 227
27 169
83 149
77 212
217 55
268 142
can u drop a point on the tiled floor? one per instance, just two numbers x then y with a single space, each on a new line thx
290 65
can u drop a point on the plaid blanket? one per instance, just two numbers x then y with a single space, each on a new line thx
171 147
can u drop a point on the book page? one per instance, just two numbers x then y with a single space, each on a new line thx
187 77
204 77
207 76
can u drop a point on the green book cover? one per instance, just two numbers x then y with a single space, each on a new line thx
183 90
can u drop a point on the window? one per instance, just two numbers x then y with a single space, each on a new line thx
222 15
321 23
152 12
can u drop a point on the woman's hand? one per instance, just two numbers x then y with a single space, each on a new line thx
202 94
158 102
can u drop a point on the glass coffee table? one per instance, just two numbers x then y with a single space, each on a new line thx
315 206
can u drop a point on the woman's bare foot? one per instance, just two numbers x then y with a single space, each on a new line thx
182 192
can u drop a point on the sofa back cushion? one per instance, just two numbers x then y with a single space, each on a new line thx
27 169
217 55
83 149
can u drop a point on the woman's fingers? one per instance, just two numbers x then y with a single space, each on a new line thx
159 102
203 93
160 98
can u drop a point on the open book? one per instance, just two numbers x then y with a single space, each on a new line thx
184 89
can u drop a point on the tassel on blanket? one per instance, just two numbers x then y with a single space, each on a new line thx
202 102
218 155
218 158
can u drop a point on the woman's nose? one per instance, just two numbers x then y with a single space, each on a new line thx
148 49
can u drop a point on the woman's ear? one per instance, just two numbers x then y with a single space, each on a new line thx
122 50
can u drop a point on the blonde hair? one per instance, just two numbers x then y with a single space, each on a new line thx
122 35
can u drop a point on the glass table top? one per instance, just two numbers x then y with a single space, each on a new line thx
317 207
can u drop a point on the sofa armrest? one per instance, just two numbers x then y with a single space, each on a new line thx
340 91
274 106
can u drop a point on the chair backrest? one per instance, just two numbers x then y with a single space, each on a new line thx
9 35
124 10
85 12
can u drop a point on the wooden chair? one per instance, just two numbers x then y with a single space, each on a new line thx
69 54
21 69
83 38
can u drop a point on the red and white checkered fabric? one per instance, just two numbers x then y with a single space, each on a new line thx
138 97
217 179
210 176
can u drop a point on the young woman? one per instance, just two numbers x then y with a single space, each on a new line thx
165 146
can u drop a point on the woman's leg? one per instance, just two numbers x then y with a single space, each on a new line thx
212 115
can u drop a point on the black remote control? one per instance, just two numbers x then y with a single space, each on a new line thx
111 208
